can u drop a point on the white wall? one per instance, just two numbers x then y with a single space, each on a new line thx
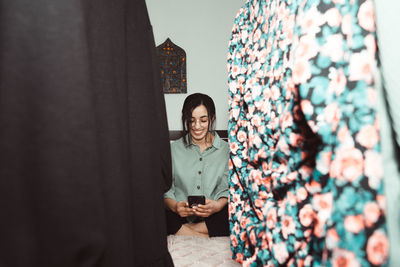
202 28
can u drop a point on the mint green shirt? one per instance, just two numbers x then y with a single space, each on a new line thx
195 173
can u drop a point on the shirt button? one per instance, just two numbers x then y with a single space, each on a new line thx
201 159
198 187
199 172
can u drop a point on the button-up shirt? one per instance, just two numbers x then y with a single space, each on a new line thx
199 173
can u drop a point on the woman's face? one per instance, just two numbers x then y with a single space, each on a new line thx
199 124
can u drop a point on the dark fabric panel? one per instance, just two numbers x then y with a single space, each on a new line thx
84 152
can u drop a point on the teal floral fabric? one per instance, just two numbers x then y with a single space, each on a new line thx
305 162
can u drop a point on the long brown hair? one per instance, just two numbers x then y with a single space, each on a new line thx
192 102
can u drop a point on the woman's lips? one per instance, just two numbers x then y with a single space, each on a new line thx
197 132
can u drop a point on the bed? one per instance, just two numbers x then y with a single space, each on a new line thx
191 251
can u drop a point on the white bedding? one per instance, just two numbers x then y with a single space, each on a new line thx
190 251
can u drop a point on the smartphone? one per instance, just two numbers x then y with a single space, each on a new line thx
196 200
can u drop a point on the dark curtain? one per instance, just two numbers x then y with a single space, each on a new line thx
84 151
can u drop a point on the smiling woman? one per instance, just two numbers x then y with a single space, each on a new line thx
200 168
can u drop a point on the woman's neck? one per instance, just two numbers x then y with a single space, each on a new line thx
205 142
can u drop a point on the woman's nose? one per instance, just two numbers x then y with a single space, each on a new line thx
197 124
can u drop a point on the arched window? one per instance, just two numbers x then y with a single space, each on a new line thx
173 67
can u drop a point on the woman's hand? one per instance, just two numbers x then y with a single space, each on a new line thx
182 208
209 208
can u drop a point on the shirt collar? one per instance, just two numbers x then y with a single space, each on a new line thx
216 143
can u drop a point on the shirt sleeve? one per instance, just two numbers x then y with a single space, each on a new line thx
337 97
170 193
222 188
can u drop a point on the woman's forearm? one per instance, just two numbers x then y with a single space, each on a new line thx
170 204
222 202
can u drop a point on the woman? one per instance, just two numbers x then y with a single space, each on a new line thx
200 167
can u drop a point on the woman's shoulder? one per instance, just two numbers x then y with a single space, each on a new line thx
221 143
178 144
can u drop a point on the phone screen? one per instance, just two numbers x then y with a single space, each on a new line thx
196 200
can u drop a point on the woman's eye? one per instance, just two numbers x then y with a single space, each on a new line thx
204 121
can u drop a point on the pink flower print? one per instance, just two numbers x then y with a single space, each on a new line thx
275 93
271 218
312 21
368 136
234 241
256 177
333 17
332 115
344 136
269 239
354 223
296 139
253 238
337 82
241 136
243 222
344 258
263 195
373 168
366 16
233 148
234 114
233 87
291 198
237 161
259 203
243 236
371 213
239 257
307 107
307 47
361 66
313 187
301 71
334 47
288 226
236 229
346 25
254 140
319 227
231 209
256 121
243 36
286 120
377 248
301 193
234 179
322 203
324 163
283 146
256 36
332 238
348 165
381 202
280 252
307 215
275 58
235 71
